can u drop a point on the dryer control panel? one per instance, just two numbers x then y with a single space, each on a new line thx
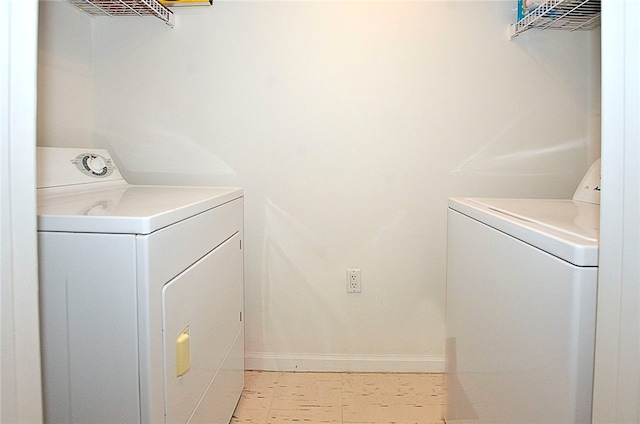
61 166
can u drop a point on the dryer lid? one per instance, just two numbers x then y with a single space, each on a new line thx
81 190
127 209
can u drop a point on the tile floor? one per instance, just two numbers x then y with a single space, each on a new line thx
286 397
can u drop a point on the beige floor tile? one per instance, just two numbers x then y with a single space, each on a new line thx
307 413
246 416
322 387
257 396
376 398
261 380
307 397
354 398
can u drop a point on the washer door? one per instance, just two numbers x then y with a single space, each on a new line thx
201 320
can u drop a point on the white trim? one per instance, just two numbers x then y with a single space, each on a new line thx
265 361
20 396
616 396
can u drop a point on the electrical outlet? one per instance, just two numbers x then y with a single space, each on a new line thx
354 283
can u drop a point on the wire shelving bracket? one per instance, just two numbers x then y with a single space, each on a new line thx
567 15
125 8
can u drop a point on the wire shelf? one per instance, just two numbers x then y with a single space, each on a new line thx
125 8
567 15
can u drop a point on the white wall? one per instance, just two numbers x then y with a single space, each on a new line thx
65 76
348 124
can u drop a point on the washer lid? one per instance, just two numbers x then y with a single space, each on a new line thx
567 229
121 208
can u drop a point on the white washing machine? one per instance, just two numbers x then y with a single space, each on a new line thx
521 305
141 295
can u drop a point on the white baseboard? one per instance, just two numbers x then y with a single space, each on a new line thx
342 363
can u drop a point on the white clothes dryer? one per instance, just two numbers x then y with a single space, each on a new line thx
141 295
520 309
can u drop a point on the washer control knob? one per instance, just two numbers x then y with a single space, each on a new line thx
94 165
